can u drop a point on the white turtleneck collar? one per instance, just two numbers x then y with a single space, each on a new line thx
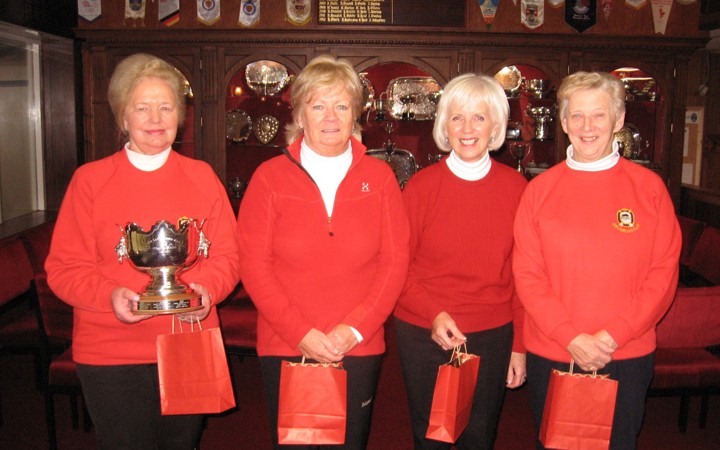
327 171
470 171
604 163
147 163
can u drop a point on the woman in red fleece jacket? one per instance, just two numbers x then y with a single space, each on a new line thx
596 256
324 244
115 348
459 287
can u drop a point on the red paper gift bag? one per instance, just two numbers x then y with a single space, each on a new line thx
312 405
193 372
453 397
579 410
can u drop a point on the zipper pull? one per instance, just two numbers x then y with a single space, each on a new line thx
330 227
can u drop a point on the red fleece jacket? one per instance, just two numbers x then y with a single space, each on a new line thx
306 270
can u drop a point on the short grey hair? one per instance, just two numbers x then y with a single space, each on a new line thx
471 88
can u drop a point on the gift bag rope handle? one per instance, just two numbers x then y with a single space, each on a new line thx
572 367
462 348
192 324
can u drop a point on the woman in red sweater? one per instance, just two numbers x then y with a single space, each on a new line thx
324 244
146 181
459 287
596 256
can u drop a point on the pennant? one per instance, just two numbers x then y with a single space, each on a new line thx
580 14
208 11
298 11
134 11
661 12
607 7
637 4
487 9
556 3
249 12
532 13
89 9
169 12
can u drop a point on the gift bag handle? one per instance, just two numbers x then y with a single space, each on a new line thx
455 356
572 366
192 324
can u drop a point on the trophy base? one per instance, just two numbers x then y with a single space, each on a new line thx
169 304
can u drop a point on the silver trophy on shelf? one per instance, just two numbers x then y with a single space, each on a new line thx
163 253
542 117
519 150
537 88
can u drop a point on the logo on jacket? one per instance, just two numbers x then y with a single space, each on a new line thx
626 221
365 187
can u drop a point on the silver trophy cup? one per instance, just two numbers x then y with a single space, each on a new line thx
163 253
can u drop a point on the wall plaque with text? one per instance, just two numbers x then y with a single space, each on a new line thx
447 13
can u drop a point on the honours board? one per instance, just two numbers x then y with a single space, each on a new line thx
448 13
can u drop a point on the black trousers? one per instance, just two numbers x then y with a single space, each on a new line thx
362 377
420 358
634 376
124 404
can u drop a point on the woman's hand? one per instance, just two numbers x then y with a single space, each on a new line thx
343 338
124 304
316 345
445 333
206 300
517 371
589 352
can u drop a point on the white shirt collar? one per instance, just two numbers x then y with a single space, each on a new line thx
605 163
147 163
472 171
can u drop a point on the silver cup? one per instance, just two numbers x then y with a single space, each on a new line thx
163 253
537 88
542 117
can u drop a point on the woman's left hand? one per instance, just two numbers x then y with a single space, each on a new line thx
517 372
200 314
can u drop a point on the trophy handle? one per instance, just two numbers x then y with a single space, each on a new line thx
121 248
203 242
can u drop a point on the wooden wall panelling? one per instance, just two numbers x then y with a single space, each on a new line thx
61 142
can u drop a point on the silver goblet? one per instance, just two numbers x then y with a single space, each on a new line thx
519 151
163 253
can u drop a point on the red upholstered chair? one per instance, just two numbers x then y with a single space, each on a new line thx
683 364
19 330
62 377
691 230
238 321
56 323
705 257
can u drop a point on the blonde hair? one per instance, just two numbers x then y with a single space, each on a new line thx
135 69
592 80
323 72
472 88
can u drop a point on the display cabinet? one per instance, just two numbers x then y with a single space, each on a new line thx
215 63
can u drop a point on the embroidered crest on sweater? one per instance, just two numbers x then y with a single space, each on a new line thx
626 221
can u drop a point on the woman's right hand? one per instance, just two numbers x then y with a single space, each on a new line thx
317 346
445 333
124 303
